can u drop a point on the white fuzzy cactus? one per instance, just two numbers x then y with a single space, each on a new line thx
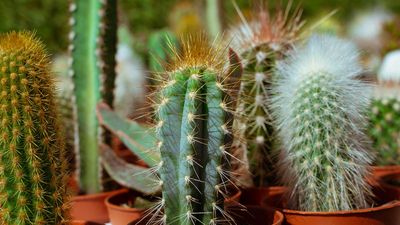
320 107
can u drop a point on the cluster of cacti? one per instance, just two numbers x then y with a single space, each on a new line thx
93 49
261 42
33 175
320 109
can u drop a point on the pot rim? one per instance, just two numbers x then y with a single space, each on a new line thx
113 206
383 168
391 204
96 195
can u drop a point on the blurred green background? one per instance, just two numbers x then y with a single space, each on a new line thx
50 17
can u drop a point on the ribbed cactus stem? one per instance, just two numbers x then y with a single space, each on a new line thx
194 129
33 174
320 109
93 46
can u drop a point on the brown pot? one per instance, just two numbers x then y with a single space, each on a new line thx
387 182
120 215
380 171
256 195
82 222
386 213
252 215
91 207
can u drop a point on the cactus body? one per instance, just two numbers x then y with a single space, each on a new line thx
194 129
384 130
93 47
261 41
32 164
320 109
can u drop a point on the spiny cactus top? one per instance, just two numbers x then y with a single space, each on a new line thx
261 41
32 162
195 134
92 66
320 110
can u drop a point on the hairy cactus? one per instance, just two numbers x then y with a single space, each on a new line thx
320 109
261 42
32 160
195 134
93 48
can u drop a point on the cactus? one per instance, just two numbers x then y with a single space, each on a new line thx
93 46
213 17
261 42
195 133
32 160
383 128
320 109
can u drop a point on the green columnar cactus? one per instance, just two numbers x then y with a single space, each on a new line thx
384 130
213 16
320 109
33 174
93 40
260 43
195 133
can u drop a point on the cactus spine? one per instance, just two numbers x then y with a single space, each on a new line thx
32 161
93 46
195 133
261 42
320 109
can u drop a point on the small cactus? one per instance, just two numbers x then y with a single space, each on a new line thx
92 67
261 42
33 174
384 129
320 110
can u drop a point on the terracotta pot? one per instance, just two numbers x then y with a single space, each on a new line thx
120 215
252 215
256 195
91 207
380 171
388 182
82 222
386 213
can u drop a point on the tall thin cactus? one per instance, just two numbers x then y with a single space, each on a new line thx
320 108
93 48
194 114
33 175
261 42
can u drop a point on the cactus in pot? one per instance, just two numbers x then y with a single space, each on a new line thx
33 175
320 109
92 67
193 134
260 42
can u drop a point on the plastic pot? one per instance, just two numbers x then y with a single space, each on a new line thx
381 171
91 208
387 212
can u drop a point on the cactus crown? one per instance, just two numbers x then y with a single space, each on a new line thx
195 133
320 110
32 162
